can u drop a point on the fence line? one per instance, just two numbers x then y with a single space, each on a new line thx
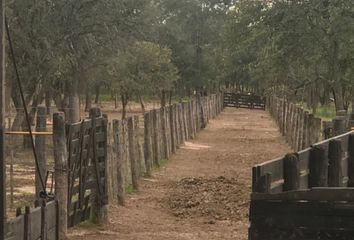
136 151
300 128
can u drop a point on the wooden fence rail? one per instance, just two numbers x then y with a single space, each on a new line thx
305 195
40 222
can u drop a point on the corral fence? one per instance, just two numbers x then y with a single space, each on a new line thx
307 194
241 100
300 127
97 162
138 144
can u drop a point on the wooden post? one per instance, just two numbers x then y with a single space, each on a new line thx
335 175
264 183
311 130
111 164
185 121
41 126
132 154
61 171
339 125
327 133
173 128
99 207
296 128
181 120
138 153
164 133
351 160
119 158
291 172
2 125
318 167
305 130
126 159
147 143
156 138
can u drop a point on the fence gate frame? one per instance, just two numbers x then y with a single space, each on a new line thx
87 155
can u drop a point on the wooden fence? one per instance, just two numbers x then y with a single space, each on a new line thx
40 222
305 195
300 128
139 145
95 163
240 100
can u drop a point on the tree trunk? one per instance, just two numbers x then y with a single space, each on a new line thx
124 105
48 103
74 105
31 115
141 100
163 98
170 98
115 100
88 99
97 94
338 97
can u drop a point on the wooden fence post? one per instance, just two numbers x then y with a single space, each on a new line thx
181 120
99 207
335 175
339 125
164 133
138 153
41 126
318 167
351 160
291 172
119 158
61 171
173 128
147 143
156 138
185 120
132 154
305 130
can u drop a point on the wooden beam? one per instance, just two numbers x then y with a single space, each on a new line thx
20 133
325 194
2 124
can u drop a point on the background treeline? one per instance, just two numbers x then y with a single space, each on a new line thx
129 49
134 49
301 49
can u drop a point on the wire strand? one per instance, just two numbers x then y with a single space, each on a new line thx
41 179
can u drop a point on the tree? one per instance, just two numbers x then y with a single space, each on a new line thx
145 67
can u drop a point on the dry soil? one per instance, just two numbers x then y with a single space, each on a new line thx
203 191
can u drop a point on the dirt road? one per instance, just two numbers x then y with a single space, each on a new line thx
203 191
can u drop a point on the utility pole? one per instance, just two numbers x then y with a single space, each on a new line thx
2 123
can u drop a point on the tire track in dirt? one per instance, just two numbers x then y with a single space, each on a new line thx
203 191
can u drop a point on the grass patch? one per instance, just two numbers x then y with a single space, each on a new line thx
326 112
129 189
163 162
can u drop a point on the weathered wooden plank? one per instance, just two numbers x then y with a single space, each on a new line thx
314 194
291 172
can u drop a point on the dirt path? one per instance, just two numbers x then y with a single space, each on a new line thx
203 191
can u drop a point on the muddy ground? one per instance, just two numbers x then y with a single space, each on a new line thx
203 191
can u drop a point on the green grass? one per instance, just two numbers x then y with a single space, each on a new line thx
129 189
163 162
326 113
